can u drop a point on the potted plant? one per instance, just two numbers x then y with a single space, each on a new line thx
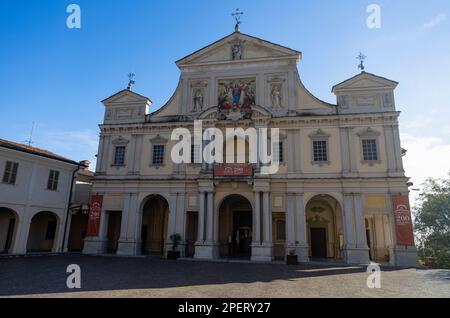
291 258
174 254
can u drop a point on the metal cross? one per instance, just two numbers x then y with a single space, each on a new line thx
237 16
361 57
131 81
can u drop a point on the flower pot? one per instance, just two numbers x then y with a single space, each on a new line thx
173 255
291 260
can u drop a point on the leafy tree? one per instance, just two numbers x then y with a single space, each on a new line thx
432 222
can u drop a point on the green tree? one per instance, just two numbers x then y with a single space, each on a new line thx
432 222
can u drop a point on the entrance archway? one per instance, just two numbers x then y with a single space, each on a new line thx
154 225
42 234
8 222
235 227
324 228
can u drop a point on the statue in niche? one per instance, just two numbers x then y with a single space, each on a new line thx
198 99
276 96
236 51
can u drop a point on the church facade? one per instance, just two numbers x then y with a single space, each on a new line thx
334 195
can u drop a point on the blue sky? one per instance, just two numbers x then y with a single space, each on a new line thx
57 76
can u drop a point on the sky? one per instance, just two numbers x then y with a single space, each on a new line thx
56 77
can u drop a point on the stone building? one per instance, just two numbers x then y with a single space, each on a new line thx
331 198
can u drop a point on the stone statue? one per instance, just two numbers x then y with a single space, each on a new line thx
236 52
198 100
276 96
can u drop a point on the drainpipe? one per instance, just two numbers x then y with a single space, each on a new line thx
68 207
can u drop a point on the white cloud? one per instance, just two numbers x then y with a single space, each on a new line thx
435 21
426 157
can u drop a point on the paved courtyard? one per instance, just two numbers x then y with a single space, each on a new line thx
149 277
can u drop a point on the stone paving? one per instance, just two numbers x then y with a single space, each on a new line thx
149 277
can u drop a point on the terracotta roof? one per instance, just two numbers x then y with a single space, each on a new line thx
34 150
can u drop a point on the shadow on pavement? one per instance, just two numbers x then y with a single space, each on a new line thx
44 275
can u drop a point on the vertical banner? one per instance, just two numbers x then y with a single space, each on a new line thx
95 212
403 221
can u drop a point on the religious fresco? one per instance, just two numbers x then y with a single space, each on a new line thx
237 93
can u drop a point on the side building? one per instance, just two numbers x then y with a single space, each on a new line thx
36 187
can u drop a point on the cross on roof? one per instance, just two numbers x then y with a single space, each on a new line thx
237 16
131 81
361 57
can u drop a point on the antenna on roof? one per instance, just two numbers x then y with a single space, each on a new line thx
30 140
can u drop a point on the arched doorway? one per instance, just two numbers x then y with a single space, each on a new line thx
8 222
235 227
154 225
324 228
43 229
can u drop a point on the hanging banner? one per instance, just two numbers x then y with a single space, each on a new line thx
403 220
95 212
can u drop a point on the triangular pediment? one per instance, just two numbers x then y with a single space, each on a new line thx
252 49
126 96
366 81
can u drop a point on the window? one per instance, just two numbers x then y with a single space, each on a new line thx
320 151
51 230
278 152
10 173
281 230
119 156
158 154
53 178
369 148
195 154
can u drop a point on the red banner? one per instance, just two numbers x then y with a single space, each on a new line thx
230 171
403 221
95 213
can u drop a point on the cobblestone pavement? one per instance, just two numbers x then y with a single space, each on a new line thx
147 277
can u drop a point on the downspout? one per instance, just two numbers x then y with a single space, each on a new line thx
68 207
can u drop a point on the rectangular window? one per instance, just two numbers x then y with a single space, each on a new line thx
281 230
10 173
195 154
278 149
51 230
370 152
53 178
320 151
119 156
158 154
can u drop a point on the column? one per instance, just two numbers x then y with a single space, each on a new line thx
130 241
262 252
105 154
301 237
256 219
398 149
171 226
345 152
290 154
267 219
181 216
355 249
390 149
98 167
201 219
361 238
290 222
210 218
